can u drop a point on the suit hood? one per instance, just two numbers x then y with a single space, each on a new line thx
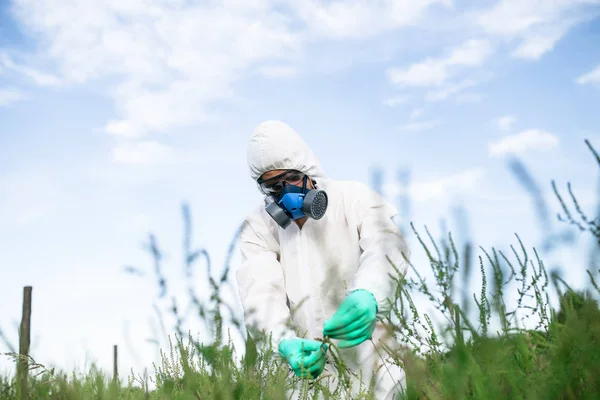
275 145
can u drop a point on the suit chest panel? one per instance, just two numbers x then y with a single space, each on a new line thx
320 258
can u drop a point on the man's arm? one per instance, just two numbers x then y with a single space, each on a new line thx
261 281
380 239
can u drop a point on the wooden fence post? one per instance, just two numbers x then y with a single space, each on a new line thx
24 343
115 365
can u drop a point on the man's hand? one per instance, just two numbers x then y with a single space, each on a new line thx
354 321
306 357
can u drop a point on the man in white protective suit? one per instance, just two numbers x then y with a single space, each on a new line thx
316 262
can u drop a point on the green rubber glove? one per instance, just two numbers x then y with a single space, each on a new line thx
354 322
304 356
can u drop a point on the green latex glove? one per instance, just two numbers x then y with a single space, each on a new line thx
306 357
354 322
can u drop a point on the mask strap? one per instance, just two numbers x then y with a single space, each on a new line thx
304 183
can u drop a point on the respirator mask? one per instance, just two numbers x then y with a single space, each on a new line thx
290 201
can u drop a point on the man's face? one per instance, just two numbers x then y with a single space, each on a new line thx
272 182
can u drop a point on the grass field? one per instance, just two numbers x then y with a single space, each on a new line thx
490 346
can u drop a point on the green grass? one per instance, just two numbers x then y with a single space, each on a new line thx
484 346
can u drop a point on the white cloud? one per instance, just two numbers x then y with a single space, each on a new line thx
536 45
450 90
436 71
530 139
10 95
280 71
417 126
396 100
430 72
38 77
592 77
506 122
169 61
440 187
471 53
537 24
360 18
142 153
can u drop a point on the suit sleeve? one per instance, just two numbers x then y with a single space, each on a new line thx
379 239
261 282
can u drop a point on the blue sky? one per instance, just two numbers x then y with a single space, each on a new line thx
112 115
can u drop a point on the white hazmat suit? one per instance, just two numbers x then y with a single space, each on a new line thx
310 270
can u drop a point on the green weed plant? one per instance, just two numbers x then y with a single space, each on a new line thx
481 349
